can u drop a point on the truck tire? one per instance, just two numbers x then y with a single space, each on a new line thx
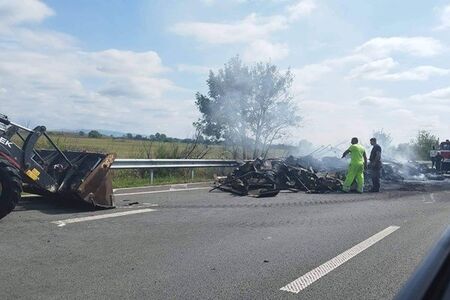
10 187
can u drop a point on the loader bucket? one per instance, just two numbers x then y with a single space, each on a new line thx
96 188
88 179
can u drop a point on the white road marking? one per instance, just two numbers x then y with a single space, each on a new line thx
62 223
304 281
431 197
164 191
164 185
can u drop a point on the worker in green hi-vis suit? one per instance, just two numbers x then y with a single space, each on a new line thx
357 165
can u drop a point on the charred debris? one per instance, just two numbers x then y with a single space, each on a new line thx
267 177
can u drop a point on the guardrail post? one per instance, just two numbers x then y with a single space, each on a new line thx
151 176
192 174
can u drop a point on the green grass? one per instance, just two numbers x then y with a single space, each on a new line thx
126 182
125 148
136 178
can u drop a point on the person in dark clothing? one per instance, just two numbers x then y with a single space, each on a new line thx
375 165
438 159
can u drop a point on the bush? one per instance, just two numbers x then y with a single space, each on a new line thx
423 143
94 134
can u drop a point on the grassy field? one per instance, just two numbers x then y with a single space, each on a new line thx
127 148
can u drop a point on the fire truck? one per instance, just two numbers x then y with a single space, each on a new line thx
444 150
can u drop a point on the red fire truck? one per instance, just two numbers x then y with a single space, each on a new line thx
444 150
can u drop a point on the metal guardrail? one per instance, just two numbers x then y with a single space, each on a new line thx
152 164
171 163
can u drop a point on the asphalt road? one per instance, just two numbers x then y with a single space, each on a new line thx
178 243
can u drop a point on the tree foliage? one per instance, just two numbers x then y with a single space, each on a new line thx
248 107
94 134
423 143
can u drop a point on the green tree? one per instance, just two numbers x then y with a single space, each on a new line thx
81 133
94 134
247 106
423 143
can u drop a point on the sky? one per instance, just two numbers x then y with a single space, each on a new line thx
135 66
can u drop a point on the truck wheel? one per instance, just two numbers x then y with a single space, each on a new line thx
10 187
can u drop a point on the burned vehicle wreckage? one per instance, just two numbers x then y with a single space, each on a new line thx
267 177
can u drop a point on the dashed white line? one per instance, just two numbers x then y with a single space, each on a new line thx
62 223
164 191
304 281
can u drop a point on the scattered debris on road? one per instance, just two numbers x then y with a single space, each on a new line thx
266 178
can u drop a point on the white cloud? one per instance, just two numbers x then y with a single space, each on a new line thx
380 70
211 2
262 50
439 96
22 11
252 27
377 101
208 2
71 88
305 76
373 69
127 63
300 9
195 69
37 39
444 19
417 46
254 31
327 93
418 73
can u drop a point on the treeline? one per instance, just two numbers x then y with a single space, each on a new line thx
157 137
161 137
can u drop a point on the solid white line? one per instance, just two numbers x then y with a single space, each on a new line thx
62 223
163 185
304 281
164 191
